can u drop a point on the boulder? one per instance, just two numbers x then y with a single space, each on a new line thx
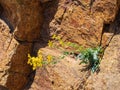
66 74
5 39
13 57
76 22
109 76
20 22
85 24
24 17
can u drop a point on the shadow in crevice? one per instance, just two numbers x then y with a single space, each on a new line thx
89 69
49 11
117 23
110 30
3 88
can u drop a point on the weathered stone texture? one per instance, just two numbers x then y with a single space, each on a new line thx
106 9
25 18
5 38
109 77
77 23
13 58
19 27
64 75
19 69
83 24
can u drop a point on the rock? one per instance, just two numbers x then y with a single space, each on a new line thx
86 26
3 88
78 21
25 17
64 75
44 1
5 39
13 58
105 9
19 68
19 28
78 27
82 25
109 76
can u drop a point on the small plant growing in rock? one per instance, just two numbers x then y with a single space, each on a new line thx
91 56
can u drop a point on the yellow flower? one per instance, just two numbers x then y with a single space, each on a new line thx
35 61
39 64
50 43
29 59
61 43
49 58
29 56
57 38
68 43
34 68
54 36
39 52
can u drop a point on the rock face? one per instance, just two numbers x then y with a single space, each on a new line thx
19 69
66 74
19 26
24 17
86 23
105 9
109 76
4 45
82 22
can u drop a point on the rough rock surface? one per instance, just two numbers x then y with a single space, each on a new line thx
13 58
105 9
80 22
5 38
88 25
66 74
24 17
109 76
19 69
19 27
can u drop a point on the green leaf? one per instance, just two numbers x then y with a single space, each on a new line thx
91 56
66 53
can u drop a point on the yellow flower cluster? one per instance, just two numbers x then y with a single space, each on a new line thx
56 38
39 60
35 61
62 43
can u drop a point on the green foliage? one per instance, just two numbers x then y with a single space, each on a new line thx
91 56
57 41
